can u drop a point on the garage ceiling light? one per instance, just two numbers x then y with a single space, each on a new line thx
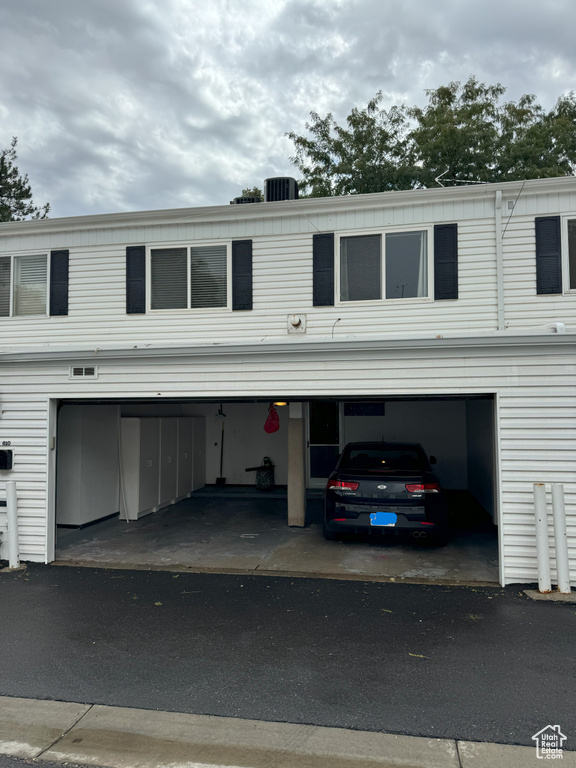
280 402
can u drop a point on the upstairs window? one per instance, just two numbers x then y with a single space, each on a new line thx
394 266
572 252
406 265
555 254
23 285
360 268
189 277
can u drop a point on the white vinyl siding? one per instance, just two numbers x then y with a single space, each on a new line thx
282 281
24 423
282 272
523 307
536 403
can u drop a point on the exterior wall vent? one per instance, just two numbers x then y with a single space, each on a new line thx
83 372
244 200
280 188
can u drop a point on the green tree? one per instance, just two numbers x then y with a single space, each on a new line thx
465 134
369 154
253 192
16 201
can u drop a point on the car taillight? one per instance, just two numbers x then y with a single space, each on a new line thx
342 484
423 488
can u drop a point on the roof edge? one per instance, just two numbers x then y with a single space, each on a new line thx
302 206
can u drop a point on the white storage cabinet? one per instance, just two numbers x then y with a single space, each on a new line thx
140 452
163 461
87 485
168 480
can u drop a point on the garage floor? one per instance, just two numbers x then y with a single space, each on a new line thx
234 529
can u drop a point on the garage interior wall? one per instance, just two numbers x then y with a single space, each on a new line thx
480 447
438 425
245 441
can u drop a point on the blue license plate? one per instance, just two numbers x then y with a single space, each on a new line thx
383 518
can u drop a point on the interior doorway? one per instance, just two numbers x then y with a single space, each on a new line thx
323 440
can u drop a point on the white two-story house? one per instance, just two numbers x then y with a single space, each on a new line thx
444 316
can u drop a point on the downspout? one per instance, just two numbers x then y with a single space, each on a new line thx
499 262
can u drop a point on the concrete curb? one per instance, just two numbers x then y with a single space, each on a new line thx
258 571
117 737
551 597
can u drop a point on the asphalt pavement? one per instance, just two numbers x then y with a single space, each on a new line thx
17 762
463 663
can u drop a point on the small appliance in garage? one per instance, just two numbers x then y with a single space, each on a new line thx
264 474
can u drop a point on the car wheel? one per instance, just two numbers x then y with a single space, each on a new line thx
329 535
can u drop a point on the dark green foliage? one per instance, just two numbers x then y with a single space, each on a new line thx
16 201
369 154
253 192
465 134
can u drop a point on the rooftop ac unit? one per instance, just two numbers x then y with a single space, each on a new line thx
244 200
280 188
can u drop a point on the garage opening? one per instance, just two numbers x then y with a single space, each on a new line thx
174 474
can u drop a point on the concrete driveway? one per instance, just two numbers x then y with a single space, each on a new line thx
239 530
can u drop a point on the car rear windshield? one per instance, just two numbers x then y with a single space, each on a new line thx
382 458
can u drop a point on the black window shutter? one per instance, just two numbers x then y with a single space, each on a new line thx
323 270
548 255
135 279
446 261
59 282
241 274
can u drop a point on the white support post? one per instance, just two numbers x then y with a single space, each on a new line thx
296 471
542 549
12 515
560 539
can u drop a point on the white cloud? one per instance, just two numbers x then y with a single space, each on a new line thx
161 103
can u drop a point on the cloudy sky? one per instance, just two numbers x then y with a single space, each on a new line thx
143 104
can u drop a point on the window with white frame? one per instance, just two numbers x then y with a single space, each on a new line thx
23 285
394 265
189 277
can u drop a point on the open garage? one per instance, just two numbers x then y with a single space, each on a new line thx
150 484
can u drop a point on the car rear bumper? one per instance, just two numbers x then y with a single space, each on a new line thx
404 523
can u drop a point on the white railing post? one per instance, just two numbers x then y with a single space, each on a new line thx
542 549
560 539
12 515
